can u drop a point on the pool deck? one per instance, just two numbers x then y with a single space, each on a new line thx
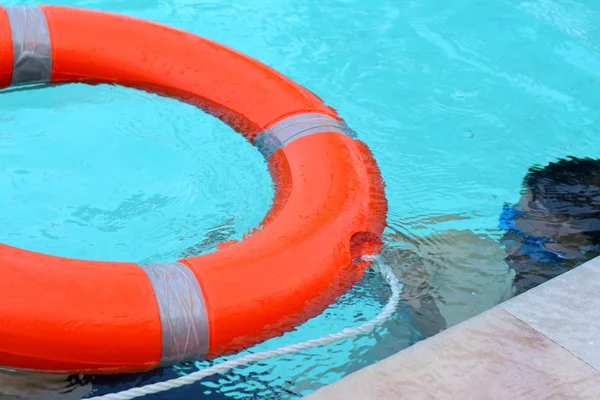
543 344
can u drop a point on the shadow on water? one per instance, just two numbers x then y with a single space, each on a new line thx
30 386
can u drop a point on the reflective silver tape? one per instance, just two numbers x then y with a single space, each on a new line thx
295 127
31 45
182 309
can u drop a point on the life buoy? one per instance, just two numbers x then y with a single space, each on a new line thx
65 315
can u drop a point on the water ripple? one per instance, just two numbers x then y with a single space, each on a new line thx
456 100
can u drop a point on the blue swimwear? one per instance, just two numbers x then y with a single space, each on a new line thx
531 246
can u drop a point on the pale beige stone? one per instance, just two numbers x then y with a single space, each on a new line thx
492 356
566 309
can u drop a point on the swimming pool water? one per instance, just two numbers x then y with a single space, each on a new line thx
455 99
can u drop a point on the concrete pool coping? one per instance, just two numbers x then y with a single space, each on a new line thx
543 344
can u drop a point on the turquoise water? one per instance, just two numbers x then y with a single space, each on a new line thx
456 101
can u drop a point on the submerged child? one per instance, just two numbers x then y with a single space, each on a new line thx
455 275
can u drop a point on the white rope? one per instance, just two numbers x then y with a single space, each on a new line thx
346 333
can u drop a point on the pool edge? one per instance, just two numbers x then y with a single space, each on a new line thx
526 347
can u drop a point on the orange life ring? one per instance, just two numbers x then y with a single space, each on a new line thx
64 315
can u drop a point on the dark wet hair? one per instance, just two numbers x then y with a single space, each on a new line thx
569 187
567 190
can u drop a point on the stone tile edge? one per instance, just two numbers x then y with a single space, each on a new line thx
593 264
